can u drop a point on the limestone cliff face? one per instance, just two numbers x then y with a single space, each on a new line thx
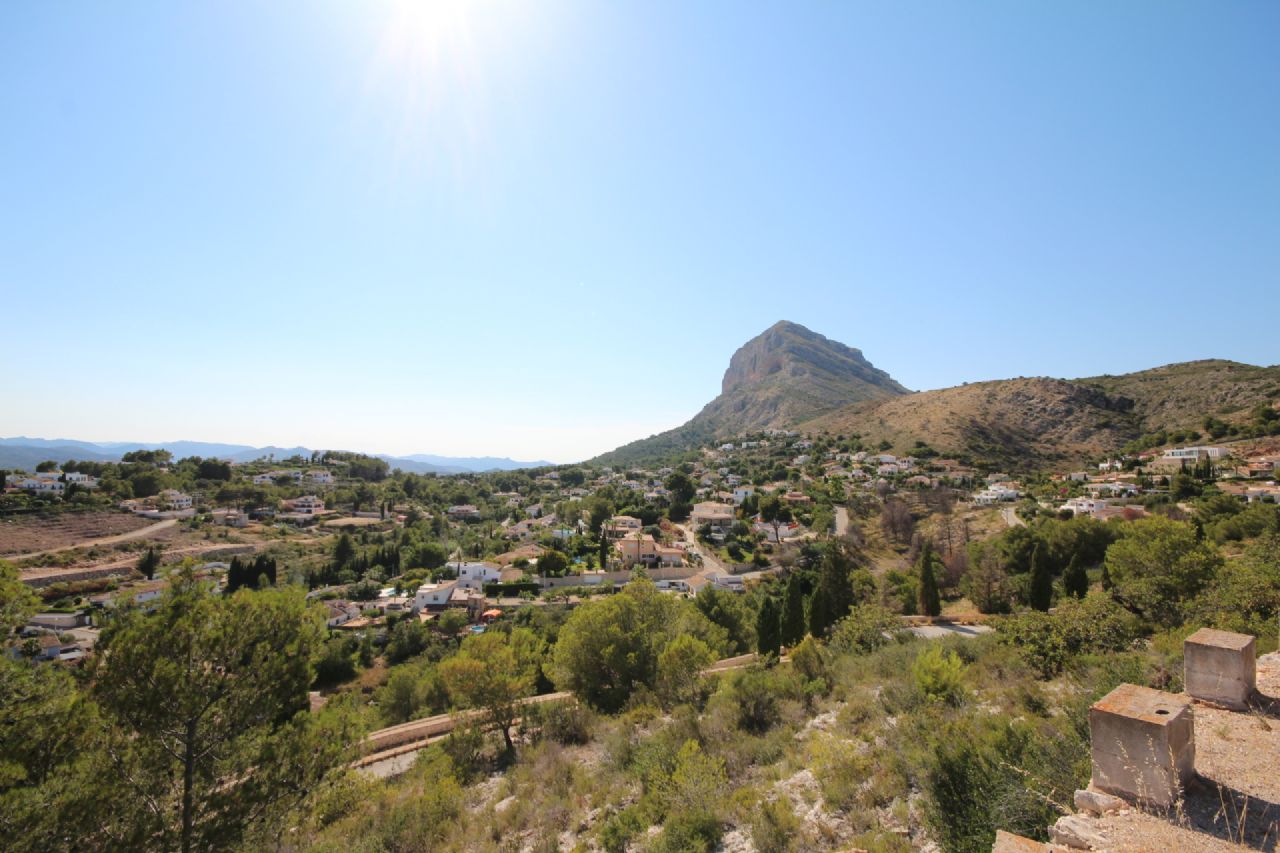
790 351
779 378
788 374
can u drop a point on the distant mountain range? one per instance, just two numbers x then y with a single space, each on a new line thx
790 377
25 453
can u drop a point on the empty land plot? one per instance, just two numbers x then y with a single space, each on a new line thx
26 534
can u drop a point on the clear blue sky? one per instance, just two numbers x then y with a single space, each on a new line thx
541 229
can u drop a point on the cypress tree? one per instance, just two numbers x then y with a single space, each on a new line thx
793 612
930 602
819 613
1040 591
235 575
148 563
768 628
833 595
344 552
1074 580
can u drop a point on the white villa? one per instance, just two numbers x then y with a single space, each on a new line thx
174 499
433 596
476 575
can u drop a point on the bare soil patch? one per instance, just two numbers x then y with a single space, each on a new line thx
24 534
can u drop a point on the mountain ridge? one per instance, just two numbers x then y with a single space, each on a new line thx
782 378
25 452
1030 422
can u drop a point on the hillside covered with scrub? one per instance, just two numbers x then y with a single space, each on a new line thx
191 728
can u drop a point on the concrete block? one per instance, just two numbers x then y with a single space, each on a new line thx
1220 667
1142 744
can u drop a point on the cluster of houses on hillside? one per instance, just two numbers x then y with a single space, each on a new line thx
1249 476
49 482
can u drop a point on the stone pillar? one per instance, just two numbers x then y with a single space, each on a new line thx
1142 744
1220 667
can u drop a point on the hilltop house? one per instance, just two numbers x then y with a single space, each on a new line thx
175 500
1084 506
1188 457
476 575
718 515
641 548
433 596
621 525
307 505
340 613
463 512
995 493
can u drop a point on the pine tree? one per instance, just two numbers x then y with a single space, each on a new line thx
1040 590
793 612
768 628
930 602
1074 580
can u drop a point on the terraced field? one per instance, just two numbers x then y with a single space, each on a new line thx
25 534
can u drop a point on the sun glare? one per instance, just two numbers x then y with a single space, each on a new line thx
427 70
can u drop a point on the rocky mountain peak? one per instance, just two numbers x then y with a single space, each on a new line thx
788 351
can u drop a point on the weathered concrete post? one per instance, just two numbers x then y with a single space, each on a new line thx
1142 744
1220 667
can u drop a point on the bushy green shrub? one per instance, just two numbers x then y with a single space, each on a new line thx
619 829
562 722
758 694
688 831
775 827
865 629
939 675
990 772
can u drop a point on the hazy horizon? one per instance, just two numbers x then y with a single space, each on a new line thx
540 230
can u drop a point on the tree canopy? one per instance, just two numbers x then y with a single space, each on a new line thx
206 703
1157 566
610 647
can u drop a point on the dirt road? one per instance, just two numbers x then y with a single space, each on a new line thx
45 575
842 522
